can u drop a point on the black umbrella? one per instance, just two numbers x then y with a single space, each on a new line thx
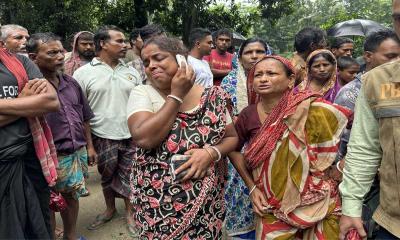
355 27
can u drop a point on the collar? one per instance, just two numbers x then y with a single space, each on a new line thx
396 72
95 61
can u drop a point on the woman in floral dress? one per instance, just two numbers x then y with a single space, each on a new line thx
175 116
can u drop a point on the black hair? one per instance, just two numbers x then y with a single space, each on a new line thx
339 41
325 55
375 39
32 46
307 36
346 62
150 30
102 34
252 40
197 34
223 31
134 34
168 44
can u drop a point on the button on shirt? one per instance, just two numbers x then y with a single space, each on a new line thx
67 125
107 91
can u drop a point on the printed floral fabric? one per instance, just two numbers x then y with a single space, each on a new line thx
239 211
304 203
165 209
235 84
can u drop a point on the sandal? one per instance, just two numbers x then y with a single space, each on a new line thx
132 228
85 192
59 233
100 221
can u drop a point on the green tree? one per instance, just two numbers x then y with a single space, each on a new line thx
320 13
60 17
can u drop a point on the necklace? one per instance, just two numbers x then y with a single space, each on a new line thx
263 107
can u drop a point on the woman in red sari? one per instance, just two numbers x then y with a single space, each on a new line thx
293 140
170 117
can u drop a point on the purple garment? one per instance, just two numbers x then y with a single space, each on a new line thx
67 125
329 95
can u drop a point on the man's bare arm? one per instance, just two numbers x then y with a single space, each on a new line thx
31 105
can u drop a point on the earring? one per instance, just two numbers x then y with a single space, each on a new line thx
291 84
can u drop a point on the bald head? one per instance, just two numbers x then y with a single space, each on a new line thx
396 16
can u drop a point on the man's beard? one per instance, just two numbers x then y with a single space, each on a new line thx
89 55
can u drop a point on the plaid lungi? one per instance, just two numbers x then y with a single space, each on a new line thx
114 163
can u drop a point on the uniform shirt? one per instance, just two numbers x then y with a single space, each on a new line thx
15 137
67 125
107 91
204 76
363 152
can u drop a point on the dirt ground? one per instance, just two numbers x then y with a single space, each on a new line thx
93 205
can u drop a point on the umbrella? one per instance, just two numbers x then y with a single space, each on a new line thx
355 27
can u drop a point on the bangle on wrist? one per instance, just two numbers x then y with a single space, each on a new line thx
252 189
178 99
218 152
338 167
209 152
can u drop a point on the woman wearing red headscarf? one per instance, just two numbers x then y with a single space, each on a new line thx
293 141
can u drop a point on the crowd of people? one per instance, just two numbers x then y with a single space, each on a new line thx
245 144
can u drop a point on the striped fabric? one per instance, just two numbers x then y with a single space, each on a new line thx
303 202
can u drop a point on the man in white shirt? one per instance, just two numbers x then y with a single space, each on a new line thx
200 43
107 82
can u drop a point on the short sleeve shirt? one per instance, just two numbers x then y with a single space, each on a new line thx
221 62
107 91
67 124
204 76
16 136
145 98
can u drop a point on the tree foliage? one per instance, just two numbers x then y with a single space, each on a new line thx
323 14
65 17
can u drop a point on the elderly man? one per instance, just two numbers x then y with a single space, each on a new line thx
107 82
25 173
14 38
70 126
374 145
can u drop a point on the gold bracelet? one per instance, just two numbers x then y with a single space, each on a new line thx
209 153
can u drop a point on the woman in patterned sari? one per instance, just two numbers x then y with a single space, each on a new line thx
170 117
321 74
293 143
239 221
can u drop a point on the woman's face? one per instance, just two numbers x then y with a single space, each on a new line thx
321 69
252 53
270 78
160 66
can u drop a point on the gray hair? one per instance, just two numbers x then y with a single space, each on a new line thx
6 30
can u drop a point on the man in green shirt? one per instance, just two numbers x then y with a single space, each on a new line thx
374 145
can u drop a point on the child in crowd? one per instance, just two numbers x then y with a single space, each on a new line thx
348 68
